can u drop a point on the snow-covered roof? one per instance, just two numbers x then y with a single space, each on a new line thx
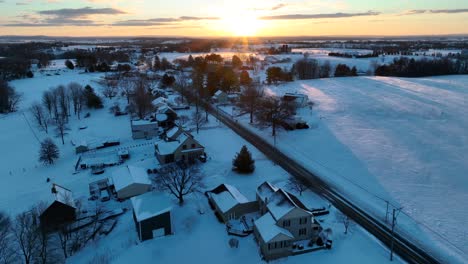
218 93
166 148
279 204
129 175
143 122
159 101
229 198
268 229
63 195
150 204
266 190
173 131
161 117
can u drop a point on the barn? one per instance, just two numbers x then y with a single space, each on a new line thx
130 181
61 208
152 215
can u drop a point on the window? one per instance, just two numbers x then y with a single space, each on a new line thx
269 246
303 231
303 221
193 145
184 147
286 223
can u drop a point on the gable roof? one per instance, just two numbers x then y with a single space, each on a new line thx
150 204
173 131
129 175
268 229
63 195
167 148
227 196
266 190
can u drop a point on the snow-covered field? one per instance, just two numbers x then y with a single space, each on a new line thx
395 139
198 238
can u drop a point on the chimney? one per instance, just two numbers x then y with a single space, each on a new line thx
54 191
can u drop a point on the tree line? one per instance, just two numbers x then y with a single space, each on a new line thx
405 67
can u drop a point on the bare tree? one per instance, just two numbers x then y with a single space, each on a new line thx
182 86
142 98
43 254
182 120
63 99
61 125
38 113
110 88
128 86
273 111
63 235
76 92
47 101
297 185
26 235
179 181
48 152
250 98
198 120
7 253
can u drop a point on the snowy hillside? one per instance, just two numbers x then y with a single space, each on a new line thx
404 140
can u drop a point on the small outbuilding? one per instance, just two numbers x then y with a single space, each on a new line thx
152 215
61 208
131 181
144 129
220 97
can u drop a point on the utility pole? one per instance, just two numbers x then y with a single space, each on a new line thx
386 213
394 218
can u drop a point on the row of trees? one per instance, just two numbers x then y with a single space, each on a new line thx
9 98
405 67
59 103
24 240
15 68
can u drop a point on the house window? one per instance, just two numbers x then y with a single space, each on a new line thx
184 147
193 145
303 231
269 246
303 221
286 223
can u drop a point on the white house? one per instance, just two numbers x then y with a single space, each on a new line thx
130 181
144 129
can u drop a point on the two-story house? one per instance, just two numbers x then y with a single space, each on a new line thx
285 221
185 149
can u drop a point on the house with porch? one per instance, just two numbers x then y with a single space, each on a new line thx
185 148
285 222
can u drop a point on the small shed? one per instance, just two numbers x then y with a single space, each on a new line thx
61 208
299 100
220 97
131 181
152 215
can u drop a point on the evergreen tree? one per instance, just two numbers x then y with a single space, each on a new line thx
69 64
92 99
244 78
48 152
243 161
236 62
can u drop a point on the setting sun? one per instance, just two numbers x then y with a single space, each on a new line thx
242 25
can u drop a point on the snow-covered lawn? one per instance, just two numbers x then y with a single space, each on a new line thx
198 238
403 140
